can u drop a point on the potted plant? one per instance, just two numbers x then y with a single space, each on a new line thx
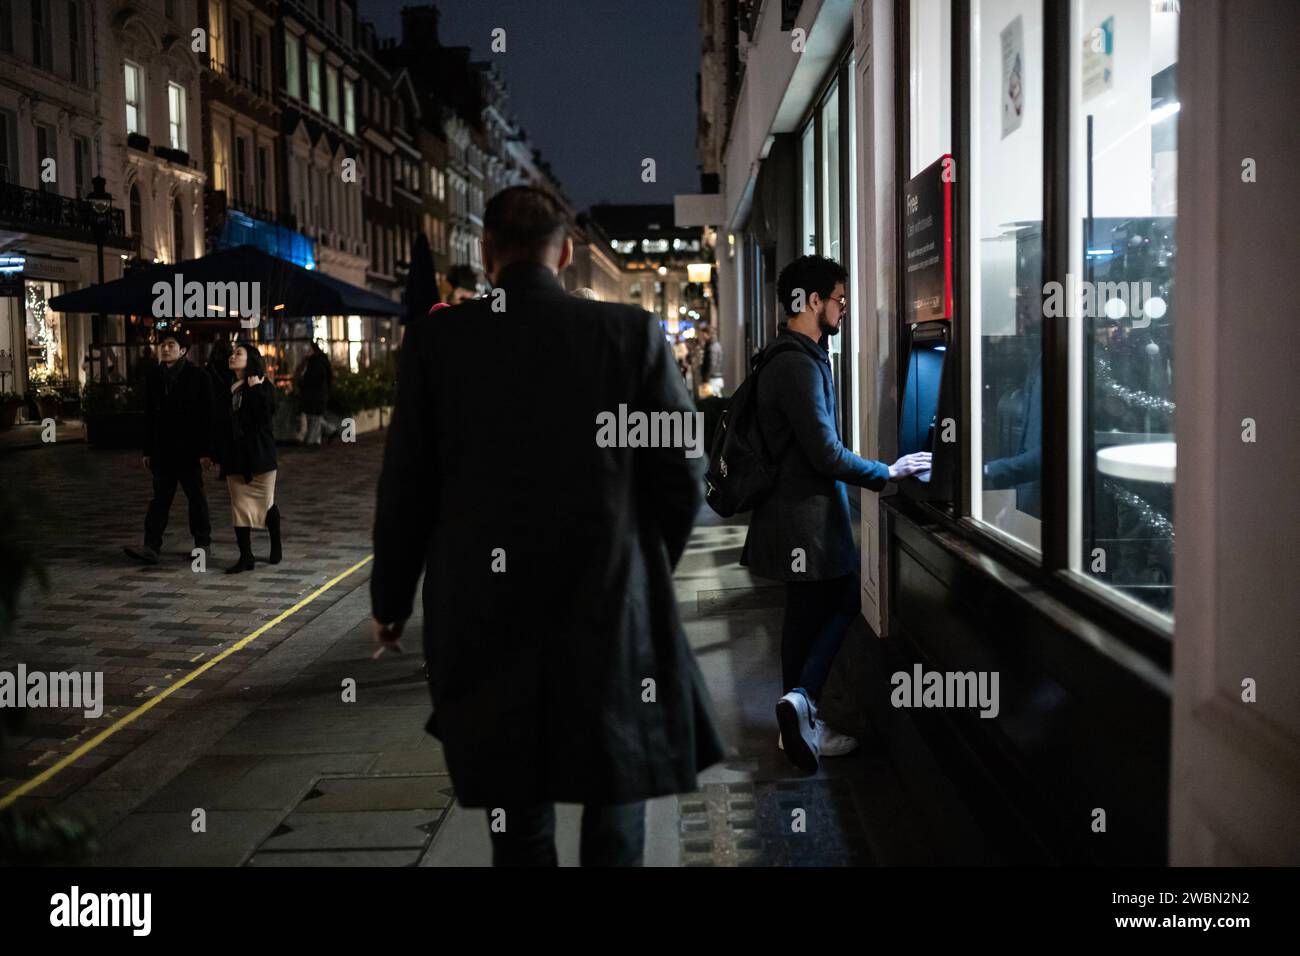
112 414
9 406
46 390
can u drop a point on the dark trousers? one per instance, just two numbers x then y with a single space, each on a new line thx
612 835
165 478
817 616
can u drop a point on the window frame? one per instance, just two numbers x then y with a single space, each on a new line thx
1144 629
836 81
177 128
141 124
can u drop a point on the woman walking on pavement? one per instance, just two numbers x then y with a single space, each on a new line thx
248 454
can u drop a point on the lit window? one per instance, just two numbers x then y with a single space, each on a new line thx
313 79
349 106
176 116
217 32
332 93
292 66
1123 213
134 99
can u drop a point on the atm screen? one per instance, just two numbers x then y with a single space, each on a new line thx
921 399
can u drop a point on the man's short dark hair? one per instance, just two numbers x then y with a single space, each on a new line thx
180 337
522 221
811 274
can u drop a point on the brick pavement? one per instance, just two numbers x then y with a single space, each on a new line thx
146 627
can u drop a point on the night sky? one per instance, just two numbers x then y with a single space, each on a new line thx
597 84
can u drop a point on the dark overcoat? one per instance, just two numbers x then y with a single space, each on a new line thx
808 508
177 417
314 387
248 440
559 668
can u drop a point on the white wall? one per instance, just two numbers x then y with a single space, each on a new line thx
1235 784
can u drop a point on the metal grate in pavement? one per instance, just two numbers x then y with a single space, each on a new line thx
772 823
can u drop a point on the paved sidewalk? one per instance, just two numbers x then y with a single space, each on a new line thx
274 758
146 627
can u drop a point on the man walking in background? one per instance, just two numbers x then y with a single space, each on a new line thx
558 665
177 444
801 533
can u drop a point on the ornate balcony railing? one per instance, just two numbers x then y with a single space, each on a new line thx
51 213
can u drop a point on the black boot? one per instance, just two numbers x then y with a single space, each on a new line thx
245 562
273 526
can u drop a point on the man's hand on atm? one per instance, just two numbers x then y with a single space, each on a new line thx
908 465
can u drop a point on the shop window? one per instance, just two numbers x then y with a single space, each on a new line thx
930 81
830 245
1123 156
1005 241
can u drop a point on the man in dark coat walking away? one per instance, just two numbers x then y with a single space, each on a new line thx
314 395
558 664
801 533
177 443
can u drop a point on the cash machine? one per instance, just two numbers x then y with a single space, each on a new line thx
927 419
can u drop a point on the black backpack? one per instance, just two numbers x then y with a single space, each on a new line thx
741 469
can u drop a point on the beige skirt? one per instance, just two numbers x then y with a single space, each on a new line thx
250 501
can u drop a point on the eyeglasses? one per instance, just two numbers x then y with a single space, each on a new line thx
843 300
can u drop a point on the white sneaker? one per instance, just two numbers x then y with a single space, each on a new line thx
832 743
798 722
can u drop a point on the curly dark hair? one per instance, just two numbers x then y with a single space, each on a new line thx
811 274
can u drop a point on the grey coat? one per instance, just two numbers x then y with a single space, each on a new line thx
809 507
548 594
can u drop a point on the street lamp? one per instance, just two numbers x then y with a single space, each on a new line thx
101 204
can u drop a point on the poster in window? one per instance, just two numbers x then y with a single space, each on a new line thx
927 243
1013 76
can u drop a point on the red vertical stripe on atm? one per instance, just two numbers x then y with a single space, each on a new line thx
947 234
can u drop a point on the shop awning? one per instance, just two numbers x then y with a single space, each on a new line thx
286 290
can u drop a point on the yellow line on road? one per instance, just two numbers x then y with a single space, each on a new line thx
144 708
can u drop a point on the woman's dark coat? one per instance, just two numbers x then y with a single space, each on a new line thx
248 442
559 666
314 386
809 507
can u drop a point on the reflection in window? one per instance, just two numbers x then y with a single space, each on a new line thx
1123 153
1006 172
930 44
809 171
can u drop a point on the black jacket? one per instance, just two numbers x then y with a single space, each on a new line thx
247 440
314 386
548 597
178 416
809 507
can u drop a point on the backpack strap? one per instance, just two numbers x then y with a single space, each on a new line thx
760 362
